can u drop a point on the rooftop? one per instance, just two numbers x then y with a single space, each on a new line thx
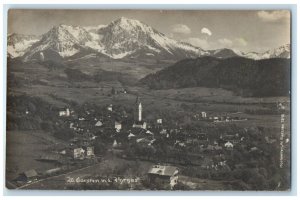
163 170
30 173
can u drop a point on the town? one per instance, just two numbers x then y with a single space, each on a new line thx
218 150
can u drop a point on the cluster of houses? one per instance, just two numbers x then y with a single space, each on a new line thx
203 116
146 134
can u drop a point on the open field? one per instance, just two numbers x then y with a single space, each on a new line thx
206 184
213 101
23 147
136 69
110 167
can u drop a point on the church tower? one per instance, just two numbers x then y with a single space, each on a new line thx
138 120
139 109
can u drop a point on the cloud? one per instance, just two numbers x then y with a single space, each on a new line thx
206 31
225 42
240 42
198 42
273 16
181 29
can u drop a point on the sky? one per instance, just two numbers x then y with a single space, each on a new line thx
209 29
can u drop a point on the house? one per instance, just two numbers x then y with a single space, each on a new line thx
159 121
228 145
216 119
163 131
118 126
234 139
280 106
28 176
115 144
140 124
164 174
131 136
180 144
78 153
90 152
98 124
228 119
63 152
64 113
149 132
110 107
203 114
72 125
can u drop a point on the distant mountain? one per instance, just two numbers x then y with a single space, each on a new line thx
283 51
121 39
246 77
224 53
62 41
17 44
132 38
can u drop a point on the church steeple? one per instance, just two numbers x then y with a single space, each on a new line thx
139 108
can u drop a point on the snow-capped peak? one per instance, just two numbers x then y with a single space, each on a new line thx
125 37
131 24
280 52
17 44
122 38
66 40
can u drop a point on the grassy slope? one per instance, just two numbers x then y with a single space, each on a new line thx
23 147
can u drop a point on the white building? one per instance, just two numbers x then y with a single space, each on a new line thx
203 114
109 107
118 126
78 153
65 113
115 144
131 135
164 174
228 145
90 152
142 125
216 119
159 121
98 123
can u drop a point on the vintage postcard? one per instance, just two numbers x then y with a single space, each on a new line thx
148 100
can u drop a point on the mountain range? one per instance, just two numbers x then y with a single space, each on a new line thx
121 39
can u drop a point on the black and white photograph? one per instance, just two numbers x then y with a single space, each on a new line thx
148 100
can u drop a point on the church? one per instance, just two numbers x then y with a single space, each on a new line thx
138 111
